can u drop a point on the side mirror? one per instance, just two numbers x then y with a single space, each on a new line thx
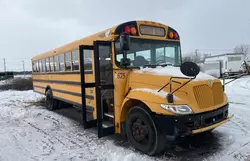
125 62
125 42
190 69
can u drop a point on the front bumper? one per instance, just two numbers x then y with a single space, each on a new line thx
180 126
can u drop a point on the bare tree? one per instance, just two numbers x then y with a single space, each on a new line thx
243 48
193 57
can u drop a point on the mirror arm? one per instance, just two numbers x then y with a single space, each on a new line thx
170 96
125 54
183 85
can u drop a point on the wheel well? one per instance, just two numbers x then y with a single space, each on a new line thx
129 104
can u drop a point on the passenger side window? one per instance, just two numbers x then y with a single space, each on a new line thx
42 65
47 65
87 60
56 63
51 64
75 60
37 66
61 62
34 67
68 61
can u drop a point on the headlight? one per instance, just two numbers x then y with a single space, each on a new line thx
177 109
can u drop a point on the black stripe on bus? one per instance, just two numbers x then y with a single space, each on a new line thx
67 92
89 108
85 72
57 81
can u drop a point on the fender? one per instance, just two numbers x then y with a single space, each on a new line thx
151 100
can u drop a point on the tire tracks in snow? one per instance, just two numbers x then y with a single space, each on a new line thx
44 132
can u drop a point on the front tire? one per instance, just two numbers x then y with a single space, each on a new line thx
142 132
51 103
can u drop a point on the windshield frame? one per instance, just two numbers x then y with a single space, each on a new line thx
160 41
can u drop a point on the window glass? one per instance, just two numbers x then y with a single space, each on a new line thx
56 63
87 59
43 65
40 66
150 52
34 66
75 62
37 66
51 63
106 70
68 61
61 62
235 58
47 65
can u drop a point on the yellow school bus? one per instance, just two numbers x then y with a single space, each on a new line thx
130 80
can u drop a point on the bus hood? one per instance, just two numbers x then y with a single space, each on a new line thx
204 93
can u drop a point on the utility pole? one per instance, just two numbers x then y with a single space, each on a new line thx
196 52
23 69
4 64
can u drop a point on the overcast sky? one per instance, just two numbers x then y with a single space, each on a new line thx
29 27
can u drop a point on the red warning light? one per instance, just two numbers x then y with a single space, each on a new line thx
127 29
176 36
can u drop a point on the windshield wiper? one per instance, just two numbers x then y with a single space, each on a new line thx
155 65
164 65
150 65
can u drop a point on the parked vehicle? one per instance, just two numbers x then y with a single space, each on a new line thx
6 75
129 80
224 64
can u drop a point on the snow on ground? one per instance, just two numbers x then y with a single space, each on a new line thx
30 132
2 82
23 76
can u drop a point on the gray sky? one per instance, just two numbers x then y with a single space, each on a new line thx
29 27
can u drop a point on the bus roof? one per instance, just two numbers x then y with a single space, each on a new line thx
106 35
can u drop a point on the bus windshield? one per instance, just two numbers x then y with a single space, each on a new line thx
145 52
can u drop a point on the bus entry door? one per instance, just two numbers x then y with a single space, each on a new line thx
104 88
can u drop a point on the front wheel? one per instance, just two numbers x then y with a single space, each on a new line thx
142 132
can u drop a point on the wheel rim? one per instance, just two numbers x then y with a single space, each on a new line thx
140 131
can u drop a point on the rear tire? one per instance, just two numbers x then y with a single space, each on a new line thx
51 103
142 132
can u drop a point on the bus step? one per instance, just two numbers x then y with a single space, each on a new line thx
107 124
108 128
110 115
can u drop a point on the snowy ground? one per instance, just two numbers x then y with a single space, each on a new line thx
30 132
